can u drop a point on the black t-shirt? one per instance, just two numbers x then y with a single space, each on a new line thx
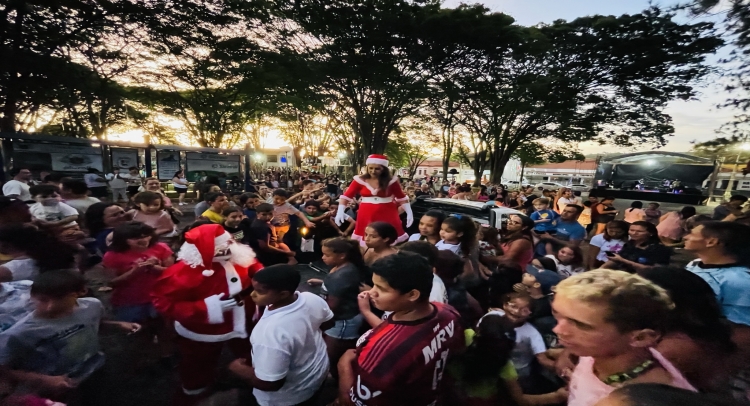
652 254
344 285
241 233
604 218
260 231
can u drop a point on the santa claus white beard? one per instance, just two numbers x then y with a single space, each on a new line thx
240 254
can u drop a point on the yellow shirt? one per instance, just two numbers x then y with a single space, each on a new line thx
213 216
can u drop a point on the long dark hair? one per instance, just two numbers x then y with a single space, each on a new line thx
490 350
47 251
350 248
465 225
385 230
95 217
131 229
383 180
527 224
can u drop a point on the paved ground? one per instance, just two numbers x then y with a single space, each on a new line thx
134 377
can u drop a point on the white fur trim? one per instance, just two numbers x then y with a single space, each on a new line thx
376 161
222 239
213 306
403 199
206 338
207 273
394 179
190 255
342 197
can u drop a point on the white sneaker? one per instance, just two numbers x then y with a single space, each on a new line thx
181 204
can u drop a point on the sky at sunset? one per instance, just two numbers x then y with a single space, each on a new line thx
693 120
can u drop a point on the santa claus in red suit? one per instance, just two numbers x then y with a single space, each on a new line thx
206 293
381 197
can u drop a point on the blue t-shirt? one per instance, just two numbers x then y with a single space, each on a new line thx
544 215
250 214
731 284
570 231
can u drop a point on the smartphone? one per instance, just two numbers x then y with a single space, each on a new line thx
609 253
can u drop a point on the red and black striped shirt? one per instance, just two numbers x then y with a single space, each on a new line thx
402 363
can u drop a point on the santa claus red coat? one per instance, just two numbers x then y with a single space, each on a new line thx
189 292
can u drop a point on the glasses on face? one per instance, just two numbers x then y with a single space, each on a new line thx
525 311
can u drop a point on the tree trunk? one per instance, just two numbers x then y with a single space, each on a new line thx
497 170
523 168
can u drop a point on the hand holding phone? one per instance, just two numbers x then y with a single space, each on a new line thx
609 253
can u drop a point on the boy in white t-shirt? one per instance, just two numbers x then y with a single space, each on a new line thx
516 307
48 208
289 359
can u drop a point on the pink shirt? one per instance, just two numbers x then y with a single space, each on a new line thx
160 220
586 389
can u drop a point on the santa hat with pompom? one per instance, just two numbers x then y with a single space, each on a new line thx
376 159
200 245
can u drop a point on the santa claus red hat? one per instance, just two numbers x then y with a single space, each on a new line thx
200 245
376 159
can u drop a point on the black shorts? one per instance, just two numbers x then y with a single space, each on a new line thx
133 190
99 191
181 189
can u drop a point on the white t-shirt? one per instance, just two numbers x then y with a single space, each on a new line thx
562 202
604 245
91 180
82 204
53 213
17 188
529 343
438 293
287 343
415 237
22 268
566 270
117 181
444 246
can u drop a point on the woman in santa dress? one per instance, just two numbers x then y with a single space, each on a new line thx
381 197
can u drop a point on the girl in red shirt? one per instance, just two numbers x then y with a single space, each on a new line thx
136 259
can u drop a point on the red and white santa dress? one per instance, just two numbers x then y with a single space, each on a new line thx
377 204
197 293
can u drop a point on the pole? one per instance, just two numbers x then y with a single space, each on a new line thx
733 176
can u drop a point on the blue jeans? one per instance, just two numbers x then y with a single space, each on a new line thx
346 329
135 313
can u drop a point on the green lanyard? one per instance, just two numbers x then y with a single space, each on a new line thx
617 379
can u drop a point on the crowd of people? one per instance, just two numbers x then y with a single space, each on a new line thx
571 302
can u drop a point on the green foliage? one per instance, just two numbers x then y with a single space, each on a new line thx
737 21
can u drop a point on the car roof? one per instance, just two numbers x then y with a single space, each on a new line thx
442 201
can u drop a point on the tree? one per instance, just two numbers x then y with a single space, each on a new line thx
536 153
595 78
42 42
215 93
409 146
369 60
737 20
